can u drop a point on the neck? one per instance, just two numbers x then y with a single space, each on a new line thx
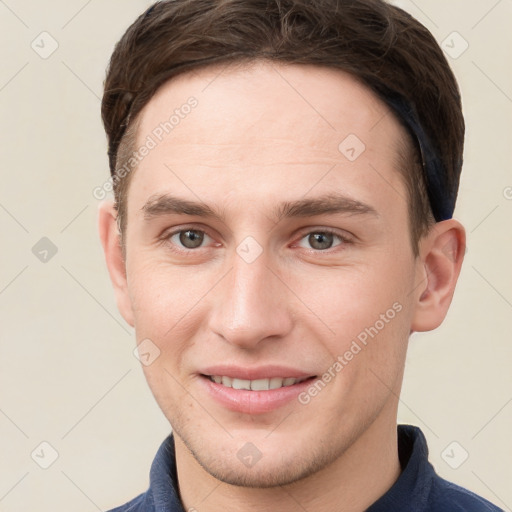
354 481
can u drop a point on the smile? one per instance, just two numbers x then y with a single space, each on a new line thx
253 392
256 384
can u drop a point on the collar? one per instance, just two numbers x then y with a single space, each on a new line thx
412 489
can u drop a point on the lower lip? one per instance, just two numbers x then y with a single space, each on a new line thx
253 402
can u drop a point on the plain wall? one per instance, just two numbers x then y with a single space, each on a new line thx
68 375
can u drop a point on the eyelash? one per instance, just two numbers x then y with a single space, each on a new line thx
344 240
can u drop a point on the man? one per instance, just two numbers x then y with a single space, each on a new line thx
285 174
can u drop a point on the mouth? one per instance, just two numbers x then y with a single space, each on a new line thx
256 384
253 392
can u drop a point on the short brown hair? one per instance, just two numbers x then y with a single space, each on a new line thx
378 43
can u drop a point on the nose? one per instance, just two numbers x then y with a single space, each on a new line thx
252 305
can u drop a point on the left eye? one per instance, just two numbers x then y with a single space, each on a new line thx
322 240
189 238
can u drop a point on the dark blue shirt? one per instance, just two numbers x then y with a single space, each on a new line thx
418 488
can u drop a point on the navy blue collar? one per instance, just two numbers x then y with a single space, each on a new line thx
412 489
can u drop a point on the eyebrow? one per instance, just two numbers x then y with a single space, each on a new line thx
167 204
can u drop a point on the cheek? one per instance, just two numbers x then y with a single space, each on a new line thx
167 304
160 291
350 299
368 313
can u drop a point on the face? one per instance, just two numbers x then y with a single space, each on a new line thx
269 263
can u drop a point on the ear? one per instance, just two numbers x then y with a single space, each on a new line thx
441 254
111 242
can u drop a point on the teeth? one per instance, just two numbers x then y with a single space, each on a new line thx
260 385
241 384
275 382
257 384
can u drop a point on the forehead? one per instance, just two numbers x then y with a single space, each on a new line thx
274 94
260 124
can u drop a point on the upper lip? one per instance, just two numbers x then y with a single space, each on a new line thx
259 372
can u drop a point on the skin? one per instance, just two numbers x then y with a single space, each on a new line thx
261 135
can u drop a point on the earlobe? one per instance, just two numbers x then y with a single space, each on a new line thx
441 255
111 243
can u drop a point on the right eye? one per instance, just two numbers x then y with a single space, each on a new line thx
188 239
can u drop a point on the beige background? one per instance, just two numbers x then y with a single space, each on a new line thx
67 372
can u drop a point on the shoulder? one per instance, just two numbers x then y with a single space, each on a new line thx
447 496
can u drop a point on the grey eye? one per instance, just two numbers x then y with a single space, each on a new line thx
321 240
189 238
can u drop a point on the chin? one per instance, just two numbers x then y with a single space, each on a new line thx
277 464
